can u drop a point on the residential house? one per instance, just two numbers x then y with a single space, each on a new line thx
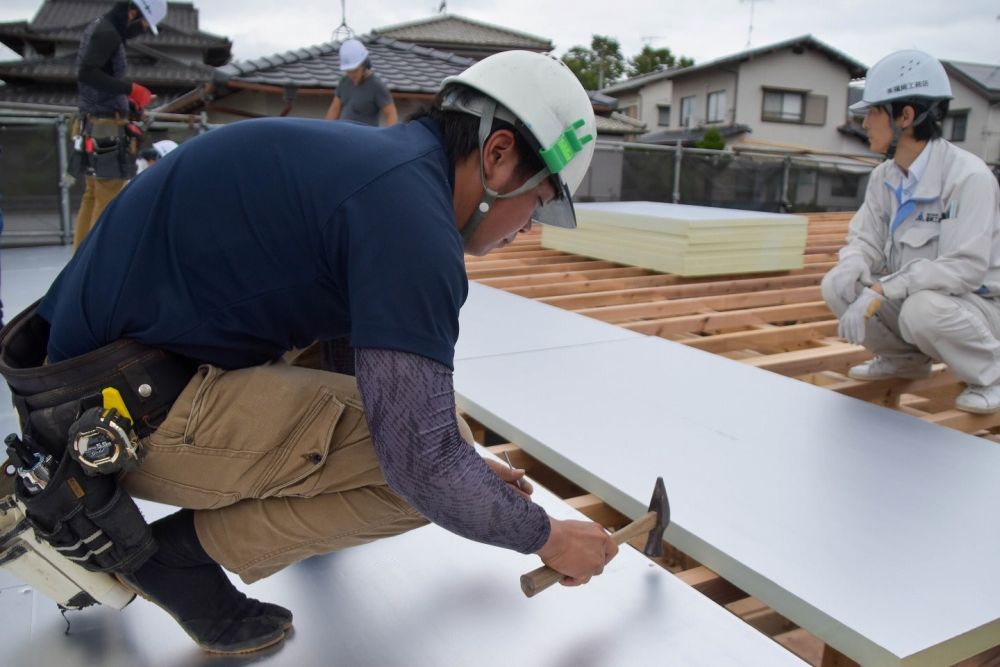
646 98
302 82
973 120
791 95
169 63
463 36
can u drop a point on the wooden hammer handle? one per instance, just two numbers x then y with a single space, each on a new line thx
540 578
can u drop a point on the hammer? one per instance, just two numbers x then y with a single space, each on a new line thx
655 521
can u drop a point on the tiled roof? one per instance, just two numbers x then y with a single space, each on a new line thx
984 78
39 93
453 29
403 67
165 71
619 123
64 13
65 20
855 68
687 136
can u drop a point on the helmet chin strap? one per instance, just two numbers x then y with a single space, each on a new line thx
897 131
490 195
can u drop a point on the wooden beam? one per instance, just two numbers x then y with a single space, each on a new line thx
834 658
801 362
758 615
711 585
732 319
722 302
597 510
680 291
576 274
965 421
759 339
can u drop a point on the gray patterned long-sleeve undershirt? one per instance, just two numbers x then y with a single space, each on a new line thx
410 405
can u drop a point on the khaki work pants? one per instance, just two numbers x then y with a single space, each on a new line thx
277 462
96 196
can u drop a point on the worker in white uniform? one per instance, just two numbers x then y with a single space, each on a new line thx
919 278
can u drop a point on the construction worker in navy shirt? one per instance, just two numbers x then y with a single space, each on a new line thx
919 278
106 141
265 236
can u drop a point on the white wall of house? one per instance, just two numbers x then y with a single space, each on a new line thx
655 105
808 73
629 104
650 104
700 85
981 134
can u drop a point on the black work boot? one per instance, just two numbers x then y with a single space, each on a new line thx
184 581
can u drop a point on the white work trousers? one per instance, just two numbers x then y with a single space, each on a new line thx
962 331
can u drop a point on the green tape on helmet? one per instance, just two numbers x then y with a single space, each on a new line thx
565 148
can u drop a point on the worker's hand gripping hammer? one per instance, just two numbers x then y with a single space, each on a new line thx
655 521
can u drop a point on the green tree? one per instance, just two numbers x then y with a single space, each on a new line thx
650 60
712 140
598 66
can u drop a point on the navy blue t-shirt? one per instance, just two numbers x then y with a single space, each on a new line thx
270 234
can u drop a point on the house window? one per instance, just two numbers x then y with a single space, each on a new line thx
717 106
845 185
663 115
687 110
785 106
955 125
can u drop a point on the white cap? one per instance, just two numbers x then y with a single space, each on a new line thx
904 75
153 11
352 55
164 147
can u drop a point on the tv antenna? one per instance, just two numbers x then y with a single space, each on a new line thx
343 31
750 28
649 39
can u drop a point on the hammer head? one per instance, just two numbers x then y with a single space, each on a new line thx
659 504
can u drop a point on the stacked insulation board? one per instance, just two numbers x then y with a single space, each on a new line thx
681 239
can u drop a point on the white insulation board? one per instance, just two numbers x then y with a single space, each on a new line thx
684 240
874 530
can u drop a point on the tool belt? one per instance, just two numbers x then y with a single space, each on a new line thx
86 517
104 148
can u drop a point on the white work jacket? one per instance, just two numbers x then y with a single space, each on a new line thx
944 236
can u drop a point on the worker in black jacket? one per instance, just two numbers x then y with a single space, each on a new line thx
107 139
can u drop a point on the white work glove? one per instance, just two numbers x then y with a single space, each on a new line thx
855 318
846 276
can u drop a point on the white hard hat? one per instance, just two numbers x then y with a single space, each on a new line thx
904 75
165 146
352 55
541 92
153 11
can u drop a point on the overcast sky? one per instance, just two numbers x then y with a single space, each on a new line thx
967 30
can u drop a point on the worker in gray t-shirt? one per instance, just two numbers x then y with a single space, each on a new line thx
360 95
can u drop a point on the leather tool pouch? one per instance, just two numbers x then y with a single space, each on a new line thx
89 520
110 158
